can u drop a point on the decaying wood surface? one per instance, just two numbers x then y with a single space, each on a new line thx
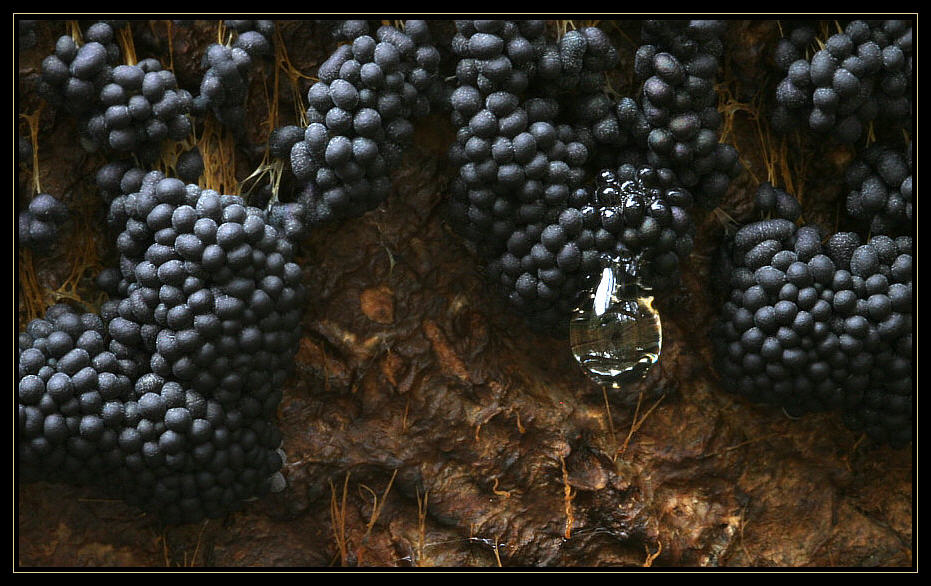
425 425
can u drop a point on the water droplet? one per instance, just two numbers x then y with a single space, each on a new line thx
615 334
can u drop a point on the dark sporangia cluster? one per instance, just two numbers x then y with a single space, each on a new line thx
282 139
360 120
39 224
881 192
346 30
860 75
117 178
276 178
648 216
776 203
535 124
73 75
679 61
125 109
497 55
631 213
572 70
576 62
519 168
548 262
810 324
167 397
798 37
554 82
120 177
225 85
190 165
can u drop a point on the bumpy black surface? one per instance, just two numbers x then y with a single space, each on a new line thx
190 165
679 62
360 121
860 75
519 169
811 327
39 225
345 30
121 109
168 397
881 190
225 85
553 175
648 214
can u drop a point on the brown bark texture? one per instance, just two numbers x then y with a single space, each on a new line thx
426 425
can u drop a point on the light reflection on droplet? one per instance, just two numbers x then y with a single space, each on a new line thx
615 334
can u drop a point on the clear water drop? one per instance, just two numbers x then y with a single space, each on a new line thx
615 333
